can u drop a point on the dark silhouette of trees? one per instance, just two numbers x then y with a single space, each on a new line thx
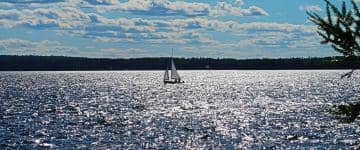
39 63
340 28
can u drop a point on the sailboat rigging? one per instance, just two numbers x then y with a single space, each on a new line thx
174 76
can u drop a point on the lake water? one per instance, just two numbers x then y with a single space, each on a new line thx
212 109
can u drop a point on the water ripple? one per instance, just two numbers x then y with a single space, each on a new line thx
213 109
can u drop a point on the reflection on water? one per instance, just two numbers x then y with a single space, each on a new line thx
213 109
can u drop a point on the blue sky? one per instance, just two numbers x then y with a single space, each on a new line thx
150 28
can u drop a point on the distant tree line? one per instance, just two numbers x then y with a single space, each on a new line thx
42 63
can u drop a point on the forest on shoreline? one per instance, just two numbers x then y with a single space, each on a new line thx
63 63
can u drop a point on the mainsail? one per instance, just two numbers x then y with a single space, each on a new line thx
174 73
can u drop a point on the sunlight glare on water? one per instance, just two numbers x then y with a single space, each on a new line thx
212 109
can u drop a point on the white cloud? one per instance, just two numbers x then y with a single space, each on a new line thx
66 17
74 21
15 46
268 44
24 47
239 2
182 8
181 30
102 2
70 18
31 1
78 18
313 8
232 26
223 8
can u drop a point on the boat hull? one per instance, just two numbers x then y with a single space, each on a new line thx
173 82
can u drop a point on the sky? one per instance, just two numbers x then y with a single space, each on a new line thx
151 28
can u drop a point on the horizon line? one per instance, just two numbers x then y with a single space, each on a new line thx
85 57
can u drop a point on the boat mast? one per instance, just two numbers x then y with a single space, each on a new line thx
172 52
171 58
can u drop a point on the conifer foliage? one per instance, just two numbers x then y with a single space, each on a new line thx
340 28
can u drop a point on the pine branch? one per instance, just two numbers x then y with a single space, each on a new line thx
348 74
342 32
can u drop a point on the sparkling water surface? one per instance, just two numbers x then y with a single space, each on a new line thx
211 110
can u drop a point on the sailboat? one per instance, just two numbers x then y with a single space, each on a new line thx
174 76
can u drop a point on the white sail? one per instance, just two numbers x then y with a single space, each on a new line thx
174 73
166 75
